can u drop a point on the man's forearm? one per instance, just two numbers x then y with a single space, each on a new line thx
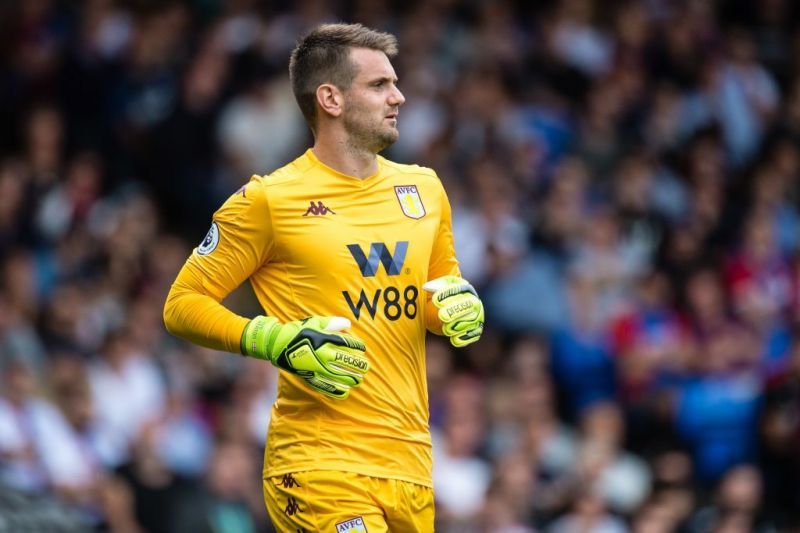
200 319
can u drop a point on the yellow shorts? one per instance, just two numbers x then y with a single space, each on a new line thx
339 502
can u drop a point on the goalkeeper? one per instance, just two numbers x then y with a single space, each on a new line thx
351 256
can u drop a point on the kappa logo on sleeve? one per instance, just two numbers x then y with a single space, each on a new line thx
354 525
210 241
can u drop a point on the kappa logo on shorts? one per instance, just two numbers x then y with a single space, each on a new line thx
292 507
288 481
354 525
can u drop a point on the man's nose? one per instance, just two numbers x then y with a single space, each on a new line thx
396 97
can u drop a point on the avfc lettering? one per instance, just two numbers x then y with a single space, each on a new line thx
354 525
393 307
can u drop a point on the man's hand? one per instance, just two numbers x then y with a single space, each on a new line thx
460 309
331 363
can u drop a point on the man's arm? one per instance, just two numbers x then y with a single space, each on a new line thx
200 318
442 263
238 243
452 306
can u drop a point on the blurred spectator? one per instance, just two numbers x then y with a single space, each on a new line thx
507 506
44 145
744 96
620 478
128 392
19 338
773 191
65 205
605 264
559 224
718 401
30 426
155 491
589 514
253 394
228 501
651 344
182 439
84 453
13 199
673 498
760 280
577 41
245 123
780 428
736 505
649 339
458 465
581 351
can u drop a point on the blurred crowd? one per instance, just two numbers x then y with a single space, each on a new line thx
624 178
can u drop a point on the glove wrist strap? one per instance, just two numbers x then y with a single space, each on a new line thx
258 336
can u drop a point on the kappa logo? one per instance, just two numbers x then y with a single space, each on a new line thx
318 209
354 525
288 481
292 507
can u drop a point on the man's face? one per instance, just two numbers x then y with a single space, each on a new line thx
372 101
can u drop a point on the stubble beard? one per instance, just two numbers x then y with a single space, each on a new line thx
367 135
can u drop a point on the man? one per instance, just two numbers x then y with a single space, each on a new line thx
347 239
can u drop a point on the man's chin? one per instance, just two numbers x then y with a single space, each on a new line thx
385 140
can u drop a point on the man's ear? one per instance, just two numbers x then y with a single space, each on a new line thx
330 99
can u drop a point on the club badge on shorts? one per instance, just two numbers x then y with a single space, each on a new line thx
410 202
354 525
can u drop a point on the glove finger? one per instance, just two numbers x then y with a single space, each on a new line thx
442 282
344 341
339 379
328 387
325 323
468 337
334 323
460 326
351 341
318 338
446 296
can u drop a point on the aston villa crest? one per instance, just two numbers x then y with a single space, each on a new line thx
410 202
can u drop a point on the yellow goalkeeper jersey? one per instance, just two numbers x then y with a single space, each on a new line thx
314 241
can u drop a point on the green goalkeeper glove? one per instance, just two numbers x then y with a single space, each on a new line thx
460 309
330 363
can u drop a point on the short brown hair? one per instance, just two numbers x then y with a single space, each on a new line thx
323 56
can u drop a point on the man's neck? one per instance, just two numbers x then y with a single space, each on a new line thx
343 157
